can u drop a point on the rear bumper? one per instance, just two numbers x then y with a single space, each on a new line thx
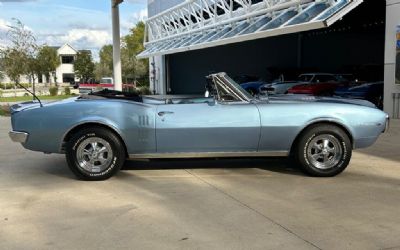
17 136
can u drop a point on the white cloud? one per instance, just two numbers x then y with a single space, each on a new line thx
3 32
131 21
137 1
79 38
139 16
4 25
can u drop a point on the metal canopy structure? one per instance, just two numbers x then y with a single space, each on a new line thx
197 24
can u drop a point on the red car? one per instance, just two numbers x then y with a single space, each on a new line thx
318 84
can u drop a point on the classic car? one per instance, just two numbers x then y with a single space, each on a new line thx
318 84
279 87
97 132
372 92
245 78
253 88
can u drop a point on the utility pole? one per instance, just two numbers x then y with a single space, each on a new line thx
116 44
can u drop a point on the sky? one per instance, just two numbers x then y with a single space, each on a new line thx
84 24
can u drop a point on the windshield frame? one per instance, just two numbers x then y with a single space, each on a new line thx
233 86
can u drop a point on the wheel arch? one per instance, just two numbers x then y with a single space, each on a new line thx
322 122
68 135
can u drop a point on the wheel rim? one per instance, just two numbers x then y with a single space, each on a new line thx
94 155
324 152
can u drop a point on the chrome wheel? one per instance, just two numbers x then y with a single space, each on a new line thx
324 151
94 155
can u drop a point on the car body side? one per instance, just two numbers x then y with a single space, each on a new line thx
278 123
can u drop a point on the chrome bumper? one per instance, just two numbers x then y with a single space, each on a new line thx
387 124
20 137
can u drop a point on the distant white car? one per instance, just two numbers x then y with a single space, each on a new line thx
105 83
278 87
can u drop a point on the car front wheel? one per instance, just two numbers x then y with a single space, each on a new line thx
324 151
95 154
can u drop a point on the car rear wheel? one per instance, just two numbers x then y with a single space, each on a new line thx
95 154
323 151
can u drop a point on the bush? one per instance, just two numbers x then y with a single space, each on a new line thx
67 91
11 85
53 91
6 86
145 91
4 110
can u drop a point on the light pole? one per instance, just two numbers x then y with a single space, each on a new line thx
116 44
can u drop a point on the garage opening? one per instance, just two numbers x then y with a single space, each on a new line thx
353 46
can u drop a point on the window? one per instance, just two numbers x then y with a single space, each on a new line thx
324 78
305 78
68 78
67 59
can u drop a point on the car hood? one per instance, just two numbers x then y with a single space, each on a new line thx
315 99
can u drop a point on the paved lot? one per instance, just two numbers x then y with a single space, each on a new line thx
202 204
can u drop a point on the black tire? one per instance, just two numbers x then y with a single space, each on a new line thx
115 154
332 159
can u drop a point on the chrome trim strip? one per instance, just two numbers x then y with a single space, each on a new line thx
17 136
209 155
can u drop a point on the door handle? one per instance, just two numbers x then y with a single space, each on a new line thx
162 113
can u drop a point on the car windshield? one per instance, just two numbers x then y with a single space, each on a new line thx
106 81
305 78
238 87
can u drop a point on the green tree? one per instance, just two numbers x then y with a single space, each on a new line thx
2 76
100 71
33 68
15 57
105 67
106 57
84 65
48 61
132 67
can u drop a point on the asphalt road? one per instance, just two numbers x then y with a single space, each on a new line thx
200 204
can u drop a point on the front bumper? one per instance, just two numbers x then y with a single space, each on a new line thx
17 136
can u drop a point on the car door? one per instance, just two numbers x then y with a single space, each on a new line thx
207 127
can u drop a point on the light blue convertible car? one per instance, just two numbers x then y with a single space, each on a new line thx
99 131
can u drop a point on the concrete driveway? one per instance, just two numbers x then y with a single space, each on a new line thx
200 204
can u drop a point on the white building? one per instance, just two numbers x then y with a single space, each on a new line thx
64 73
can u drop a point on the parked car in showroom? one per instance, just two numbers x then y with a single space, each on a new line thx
240 79
372 92
97 132
253 87
280 87
318 84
